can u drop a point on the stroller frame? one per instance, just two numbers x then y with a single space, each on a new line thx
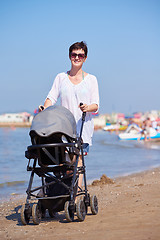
65 177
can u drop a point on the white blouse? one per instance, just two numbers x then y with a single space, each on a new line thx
72 95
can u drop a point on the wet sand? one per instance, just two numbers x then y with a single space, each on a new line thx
129 209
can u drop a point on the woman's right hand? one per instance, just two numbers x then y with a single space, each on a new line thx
41 108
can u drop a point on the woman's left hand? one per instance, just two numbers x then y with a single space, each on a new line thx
84 108
89 108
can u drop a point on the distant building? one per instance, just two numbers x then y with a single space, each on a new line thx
99 121
15 117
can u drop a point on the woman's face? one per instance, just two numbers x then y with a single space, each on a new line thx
77 57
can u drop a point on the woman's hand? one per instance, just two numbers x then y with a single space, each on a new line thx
84 108
89 108
47 103
41 108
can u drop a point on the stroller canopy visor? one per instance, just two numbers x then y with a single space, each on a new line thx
54 119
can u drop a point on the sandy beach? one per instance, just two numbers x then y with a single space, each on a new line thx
15 124
129 209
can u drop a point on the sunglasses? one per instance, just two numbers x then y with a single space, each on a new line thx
80 55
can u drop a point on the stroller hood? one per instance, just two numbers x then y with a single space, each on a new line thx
54 119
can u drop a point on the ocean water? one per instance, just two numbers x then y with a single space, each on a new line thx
108 155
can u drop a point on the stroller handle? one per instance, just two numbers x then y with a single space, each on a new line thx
83 119
83 114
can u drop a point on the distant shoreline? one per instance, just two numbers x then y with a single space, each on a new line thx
28 124
15 124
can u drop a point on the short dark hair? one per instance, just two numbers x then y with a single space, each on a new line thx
78 45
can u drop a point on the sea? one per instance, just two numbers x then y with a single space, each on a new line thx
108 155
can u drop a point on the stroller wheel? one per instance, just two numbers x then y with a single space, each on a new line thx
94 204
43 213
25 214
36 214
42 209
86 202
69 213
51 213
80 210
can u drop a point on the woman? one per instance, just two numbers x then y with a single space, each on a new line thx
75 87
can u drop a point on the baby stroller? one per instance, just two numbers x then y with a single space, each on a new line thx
55 151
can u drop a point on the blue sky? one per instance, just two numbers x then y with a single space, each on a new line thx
123 38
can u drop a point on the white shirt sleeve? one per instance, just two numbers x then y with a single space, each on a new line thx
53 94
94 91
